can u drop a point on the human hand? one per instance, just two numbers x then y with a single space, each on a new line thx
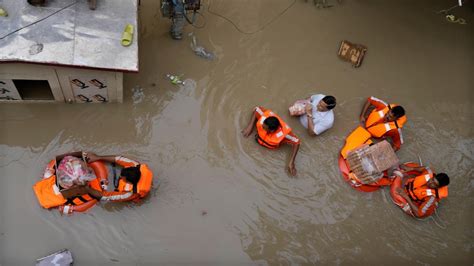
104 183
246 132
308 108
90 157
65 209
94 193
292 169
74 191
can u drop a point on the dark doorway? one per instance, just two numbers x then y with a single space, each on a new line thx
33 89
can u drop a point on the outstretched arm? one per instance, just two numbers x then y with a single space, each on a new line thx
92 157
118 159
363 114
408 168
309 115
69 209
76 191
427 207
291 165
413 207
248 130
391 141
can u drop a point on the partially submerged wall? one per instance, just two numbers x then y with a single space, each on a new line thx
20 82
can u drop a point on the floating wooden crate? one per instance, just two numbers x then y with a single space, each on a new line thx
353 53
369 162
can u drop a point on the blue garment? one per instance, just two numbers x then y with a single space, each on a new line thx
178 6
177 19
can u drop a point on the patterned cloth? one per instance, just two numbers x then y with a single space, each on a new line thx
298 108
322 121
73 171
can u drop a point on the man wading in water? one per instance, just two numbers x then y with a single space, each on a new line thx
271 132
318 116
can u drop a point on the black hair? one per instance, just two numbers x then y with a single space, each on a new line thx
330 101
131 174
443 179
272 123
398 111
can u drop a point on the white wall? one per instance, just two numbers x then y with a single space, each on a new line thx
67 84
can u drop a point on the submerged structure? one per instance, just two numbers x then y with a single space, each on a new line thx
65 51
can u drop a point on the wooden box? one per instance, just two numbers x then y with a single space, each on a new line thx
353 53
369 162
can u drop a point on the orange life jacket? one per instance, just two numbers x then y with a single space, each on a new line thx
143 186
417 188
357 137
48 192
49 196
271 140
377 127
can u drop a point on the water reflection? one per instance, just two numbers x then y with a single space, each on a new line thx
190 137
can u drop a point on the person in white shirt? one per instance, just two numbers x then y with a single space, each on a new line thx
319 115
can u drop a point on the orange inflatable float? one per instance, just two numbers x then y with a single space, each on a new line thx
355 182
360 136
274 139
402 203
50 195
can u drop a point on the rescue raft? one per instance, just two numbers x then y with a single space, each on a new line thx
50 194
360 138
402 202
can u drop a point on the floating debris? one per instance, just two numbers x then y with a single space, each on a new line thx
175 79
60 258
137 95
353 53
199 50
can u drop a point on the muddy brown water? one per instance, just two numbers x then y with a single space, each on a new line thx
190 137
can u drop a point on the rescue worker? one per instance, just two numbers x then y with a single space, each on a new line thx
379 121
319 116
384 121
272 131
423 192
79 197
177 19
135 179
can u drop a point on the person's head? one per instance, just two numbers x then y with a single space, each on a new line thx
131 174
271 124
327 103
395 113
439 180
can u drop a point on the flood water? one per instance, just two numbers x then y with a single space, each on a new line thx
224 200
